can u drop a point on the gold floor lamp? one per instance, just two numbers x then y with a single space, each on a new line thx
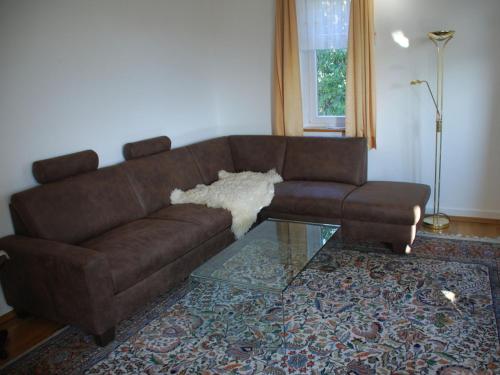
437 220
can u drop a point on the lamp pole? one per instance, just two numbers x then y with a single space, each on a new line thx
437 220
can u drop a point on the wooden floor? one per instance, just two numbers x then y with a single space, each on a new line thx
26 333
478 227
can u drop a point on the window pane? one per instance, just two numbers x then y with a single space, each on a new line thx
331 81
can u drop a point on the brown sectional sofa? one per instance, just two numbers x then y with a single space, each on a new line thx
93 245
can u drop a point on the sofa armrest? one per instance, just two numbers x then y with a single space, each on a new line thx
62 282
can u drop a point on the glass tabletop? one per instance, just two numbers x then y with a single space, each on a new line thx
268 257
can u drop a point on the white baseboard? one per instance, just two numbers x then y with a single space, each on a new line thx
484 214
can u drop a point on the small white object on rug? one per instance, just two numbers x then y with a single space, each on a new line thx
243 194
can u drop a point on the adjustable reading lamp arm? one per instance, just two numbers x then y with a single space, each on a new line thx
419 81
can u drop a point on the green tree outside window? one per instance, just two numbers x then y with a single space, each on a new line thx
331 81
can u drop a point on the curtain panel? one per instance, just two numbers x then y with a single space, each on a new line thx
287 115
360 91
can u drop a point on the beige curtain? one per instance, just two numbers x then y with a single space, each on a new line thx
287 116
360 92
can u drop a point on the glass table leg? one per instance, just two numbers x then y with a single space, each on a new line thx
283 317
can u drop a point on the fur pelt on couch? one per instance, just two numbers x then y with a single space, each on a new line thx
244 194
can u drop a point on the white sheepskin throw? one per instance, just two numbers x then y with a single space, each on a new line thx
243 194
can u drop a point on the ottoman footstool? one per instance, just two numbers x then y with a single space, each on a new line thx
385 211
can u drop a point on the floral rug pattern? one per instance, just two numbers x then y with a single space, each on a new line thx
356 309
258 263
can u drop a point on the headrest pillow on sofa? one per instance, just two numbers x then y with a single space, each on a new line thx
58 168
135 150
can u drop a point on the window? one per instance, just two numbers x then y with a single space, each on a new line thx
323 29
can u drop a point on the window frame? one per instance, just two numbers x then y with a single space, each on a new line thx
312 120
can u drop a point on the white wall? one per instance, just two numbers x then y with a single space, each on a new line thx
471 137
77 74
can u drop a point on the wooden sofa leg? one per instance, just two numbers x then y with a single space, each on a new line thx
401 248
21 314
105 338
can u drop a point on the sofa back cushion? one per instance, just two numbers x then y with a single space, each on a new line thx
258 153
326 159
154 177
212 156
79 207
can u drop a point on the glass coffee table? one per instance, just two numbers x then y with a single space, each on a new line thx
261 266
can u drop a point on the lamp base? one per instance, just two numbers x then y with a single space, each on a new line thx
436 222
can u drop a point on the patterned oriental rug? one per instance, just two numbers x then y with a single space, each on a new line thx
356 309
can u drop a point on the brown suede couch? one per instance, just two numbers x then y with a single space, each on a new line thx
93 245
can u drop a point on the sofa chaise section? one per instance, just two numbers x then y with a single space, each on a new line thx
326 181
319 174
385 211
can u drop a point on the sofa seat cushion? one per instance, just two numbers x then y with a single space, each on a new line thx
315 198
387 202
211 220
138 249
